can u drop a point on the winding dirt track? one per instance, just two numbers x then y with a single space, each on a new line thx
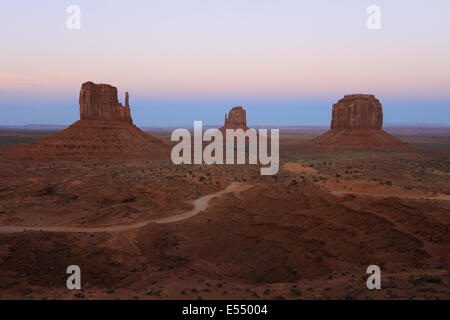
200 204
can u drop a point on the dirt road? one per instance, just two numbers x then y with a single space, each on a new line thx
200 204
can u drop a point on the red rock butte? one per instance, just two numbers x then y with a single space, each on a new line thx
105 129
357 122
99 102
236 119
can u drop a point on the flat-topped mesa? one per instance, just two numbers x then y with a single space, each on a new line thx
357 122
357 111
236 119
100 102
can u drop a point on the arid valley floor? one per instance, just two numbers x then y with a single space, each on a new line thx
310 232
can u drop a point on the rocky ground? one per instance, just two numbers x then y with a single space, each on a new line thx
309 232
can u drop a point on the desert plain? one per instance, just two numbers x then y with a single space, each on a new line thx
309 232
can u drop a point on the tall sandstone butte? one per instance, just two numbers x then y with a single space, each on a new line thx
356 123
100 102
105 129
236 119
357 111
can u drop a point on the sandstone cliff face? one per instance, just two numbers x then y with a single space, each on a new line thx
236 119
357 111
100 102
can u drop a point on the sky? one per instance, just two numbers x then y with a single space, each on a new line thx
285 61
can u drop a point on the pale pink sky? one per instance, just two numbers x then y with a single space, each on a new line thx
194 49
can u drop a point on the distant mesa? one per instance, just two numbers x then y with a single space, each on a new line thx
105 129
357 122
357 111
236 119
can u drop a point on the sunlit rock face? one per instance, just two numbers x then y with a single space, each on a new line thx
236 119
100 102
362 111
